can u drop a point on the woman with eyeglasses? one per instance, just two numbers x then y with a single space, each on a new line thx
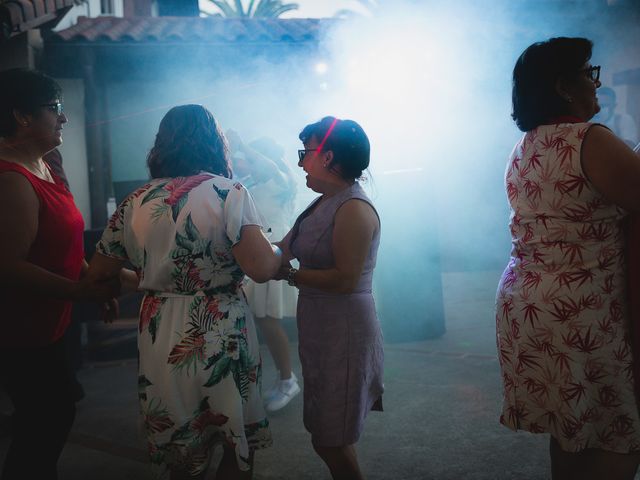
340 342
41 262
562 310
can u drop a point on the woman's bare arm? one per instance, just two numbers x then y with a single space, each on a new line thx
19 210
256 256
283 245
102 266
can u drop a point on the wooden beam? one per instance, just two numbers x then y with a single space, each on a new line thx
98 139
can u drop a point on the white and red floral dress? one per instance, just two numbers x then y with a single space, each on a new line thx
200 368
561 307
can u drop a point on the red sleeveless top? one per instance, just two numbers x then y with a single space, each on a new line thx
30 320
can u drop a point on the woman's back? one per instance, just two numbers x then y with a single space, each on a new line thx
177 233
559 222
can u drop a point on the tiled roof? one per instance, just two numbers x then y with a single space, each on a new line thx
191 29
17 16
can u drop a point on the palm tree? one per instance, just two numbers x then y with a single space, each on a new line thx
259 9
373 7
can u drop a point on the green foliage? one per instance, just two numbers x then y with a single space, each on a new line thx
221 364
158 191
221 193
259 9
143 383
154 324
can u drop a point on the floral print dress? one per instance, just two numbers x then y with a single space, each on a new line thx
562 308
200 366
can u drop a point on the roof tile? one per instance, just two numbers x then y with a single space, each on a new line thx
17 16
206 30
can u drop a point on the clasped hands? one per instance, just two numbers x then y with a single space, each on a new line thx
101 289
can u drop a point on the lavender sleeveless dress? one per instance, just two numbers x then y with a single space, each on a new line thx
340 341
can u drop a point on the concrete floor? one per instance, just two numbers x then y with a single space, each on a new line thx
442 402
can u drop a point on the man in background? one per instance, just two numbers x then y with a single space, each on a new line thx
622 124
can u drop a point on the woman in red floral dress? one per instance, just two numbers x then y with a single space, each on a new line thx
562 306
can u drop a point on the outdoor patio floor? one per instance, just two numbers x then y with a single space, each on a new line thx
442 403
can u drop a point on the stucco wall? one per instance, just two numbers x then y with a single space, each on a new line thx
74 148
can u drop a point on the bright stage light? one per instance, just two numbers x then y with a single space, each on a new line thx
409 77
321 68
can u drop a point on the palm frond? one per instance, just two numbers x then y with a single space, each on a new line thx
278 11
259 9
240 9
226 9
373 7
273 8
250 8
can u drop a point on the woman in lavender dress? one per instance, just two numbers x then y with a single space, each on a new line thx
336 241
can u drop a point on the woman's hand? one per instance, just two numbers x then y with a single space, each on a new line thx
110 310
103 279
283 272
129 280
96 289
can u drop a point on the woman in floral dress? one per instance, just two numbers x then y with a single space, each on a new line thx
562 305
192 233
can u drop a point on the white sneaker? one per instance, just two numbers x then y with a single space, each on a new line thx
273 389
285 391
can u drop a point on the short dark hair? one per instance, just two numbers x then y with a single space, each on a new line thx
534 95
24 90
189 141
346 139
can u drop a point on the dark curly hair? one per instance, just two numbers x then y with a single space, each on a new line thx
534 96
188 142
26 91
348 142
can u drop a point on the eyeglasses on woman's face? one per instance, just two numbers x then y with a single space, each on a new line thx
56 107
303 153
593 72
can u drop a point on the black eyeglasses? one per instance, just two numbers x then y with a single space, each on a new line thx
302 153
54 107
592 72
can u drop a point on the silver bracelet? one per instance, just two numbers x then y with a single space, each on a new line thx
291 276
